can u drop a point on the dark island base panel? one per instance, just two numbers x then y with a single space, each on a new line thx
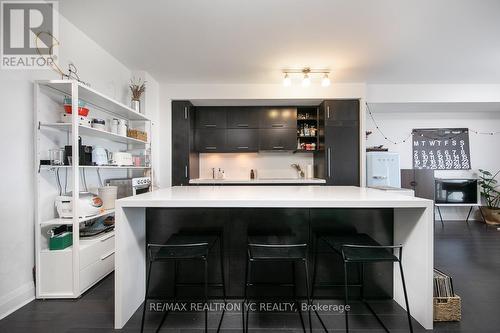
237 223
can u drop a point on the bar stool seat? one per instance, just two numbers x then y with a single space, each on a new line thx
362 248
180 246
275 248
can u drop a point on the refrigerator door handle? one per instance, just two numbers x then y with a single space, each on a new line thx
329 163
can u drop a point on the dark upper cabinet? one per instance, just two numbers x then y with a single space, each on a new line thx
340 110
210 140
243 117
278 139
211 117
278 117
185 163
242 140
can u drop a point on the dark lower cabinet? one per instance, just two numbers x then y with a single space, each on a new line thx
278 139
185 163
242 140
210 140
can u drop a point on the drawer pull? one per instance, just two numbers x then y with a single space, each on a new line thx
107 255
211 148
278 147
277 125
105 239
242 147
242 125
210 125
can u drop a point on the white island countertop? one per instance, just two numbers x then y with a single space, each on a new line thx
209 181
273 196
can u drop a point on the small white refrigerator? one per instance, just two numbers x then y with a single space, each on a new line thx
382 169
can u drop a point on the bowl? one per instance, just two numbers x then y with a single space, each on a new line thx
82 111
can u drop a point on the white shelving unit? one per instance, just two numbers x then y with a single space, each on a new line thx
69 272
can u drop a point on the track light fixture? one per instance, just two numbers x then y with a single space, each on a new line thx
306 73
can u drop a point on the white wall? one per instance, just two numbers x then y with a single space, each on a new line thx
107 75
266 164
171 92
483 148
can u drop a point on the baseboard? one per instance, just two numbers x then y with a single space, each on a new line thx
16 299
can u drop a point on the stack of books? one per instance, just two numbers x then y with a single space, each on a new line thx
443 285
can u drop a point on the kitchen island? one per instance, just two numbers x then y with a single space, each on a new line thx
404 220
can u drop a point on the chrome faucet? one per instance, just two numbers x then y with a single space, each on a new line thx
299 170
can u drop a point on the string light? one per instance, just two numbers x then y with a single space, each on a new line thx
396 142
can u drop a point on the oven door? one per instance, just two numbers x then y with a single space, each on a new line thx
140 189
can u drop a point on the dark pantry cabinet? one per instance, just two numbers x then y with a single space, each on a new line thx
338 158
185 163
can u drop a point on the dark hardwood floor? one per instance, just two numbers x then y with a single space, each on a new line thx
471 254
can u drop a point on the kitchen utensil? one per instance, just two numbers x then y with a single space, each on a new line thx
88 205
82 110
100 156
85 153
99 124
56 156
122 128
108 195
121 158
114 126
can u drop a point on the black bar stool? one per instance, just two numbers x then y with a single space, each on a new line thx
361 249
276 249
181 248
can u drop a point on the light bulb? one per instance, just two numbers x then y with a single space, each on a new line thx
326 81
287 82
306 82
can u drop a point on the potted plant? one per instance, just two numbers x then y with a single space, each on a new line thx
137 86
489 190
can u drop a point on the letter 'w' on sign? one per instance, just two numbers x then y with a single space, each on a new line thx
29 32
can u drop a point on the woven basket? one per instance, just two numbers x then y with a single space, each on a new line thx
447 308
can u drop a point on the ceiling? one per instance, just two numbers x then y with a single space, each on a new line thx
241 41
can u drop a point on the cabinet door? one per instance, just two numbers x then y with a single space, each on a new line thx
210 140
242 140
342 154
340 110
278 139
184 159
278 117
210 117
243 117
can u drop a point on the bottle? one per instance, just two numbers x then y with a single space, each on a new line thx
252 174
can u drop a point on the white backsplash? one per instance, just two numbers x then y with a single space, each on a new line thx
267 164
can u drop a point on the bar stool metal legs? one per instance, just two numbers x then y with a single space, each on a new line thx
185 248
362 254
292 253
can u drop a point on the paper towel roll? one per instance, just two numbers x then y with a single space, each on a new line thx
309 171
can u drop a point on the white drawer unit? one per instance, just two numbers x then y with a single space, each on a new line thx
97 259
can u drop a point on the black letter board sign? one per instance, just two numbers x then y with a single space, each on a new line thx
441 149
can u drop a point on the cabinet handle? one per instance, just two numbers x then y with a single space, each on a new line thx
210 125
185 112
210 148
242 125
186 171
278 147
329 162
277 125
105 239
328 111
107 255
242 147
